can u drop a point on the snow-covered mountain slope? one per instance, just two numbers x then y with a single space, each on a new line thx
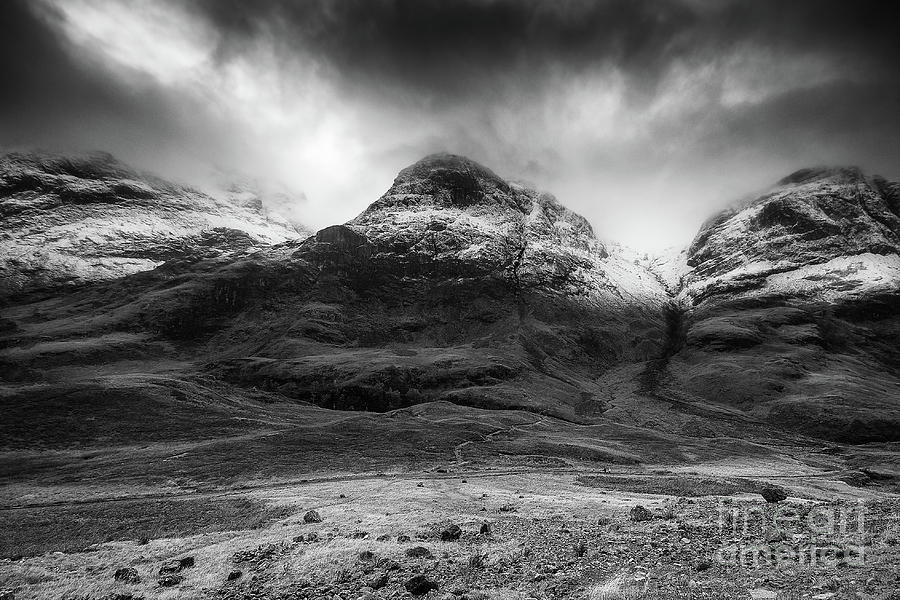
455 285
68 220
449 214
791 308
811 217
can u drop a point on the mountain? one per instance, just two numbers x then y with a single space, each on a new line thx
791 308
455 285
71 220
458 310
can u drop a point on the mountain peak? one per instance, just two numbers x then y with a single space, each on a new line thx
450 180
810 175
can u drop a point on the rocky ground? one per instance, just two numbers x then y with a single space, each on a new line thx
526 536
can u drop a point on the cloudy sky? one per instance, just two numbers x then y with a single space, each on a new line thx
643 116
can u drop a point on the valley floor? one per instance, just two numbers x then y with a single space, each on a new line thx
548 535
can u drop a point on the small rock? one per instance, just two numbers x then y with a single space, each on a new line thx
419 585
383 538
419 552
402 539
773 494
234 575
378 581
823 596
639 513
451 534
7 595
127 575
173 566
170 580
312 516
187 561
485 529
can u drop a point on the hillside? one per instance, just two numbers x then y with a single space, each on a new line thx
68 220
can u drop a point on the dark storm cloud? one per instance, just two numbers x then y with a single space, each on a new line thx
460 49
643 115
59 97
456 49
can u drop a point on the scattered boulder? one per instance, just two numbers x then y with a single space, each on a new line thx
312 516
171 567
383 538
170 580
176 565
419 585
639 513
127 575
773 494
234 575
419 552
451 534
485 529
377 582
402 539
